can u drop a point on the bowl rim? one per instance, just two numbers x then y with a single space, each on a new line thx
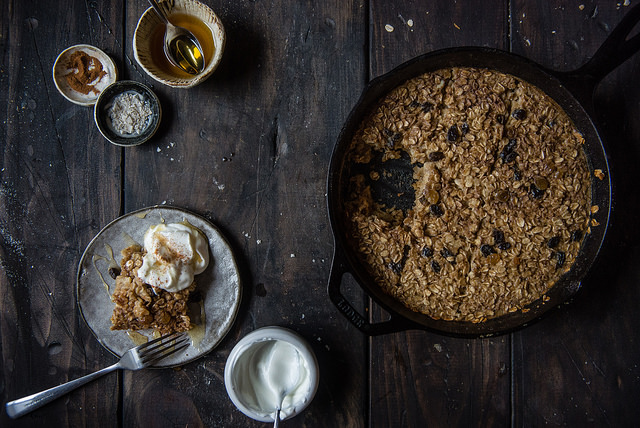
218 34
261 335
111 92
107 63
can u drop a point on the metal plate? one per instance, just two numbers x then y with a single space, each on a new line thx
219 284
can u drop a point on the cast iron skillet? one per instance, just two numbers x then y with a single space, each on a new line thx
573 91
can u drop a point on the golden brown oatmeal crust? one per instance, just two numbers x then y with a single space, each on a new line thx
139 306
502 194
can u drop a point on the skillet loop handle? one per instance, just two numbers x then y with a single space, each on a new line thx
615 50
339 267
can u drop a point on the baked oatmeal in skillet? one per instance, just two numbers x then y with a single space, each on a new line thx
500 199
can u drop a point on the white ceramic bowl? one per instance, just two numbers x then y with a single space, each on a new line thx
147 42
61 70
255 338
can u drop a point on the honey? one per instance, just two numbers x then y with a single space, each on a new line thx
198 28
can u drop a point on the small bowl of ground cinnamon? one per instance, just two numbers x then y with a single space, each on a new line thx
127 113
82 72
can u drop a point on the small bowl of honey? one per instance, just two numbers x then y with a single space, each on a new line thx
148 41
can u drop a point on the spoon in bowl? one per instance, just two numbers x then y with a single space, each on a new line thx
283 393
284 376
180 46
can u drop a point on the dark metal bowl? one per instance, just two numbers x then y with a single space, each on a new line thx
104 103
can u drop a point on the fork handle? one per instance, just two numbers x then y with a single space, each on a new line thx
24 405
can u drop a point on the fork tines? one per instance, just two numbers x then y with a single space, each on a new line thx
162 347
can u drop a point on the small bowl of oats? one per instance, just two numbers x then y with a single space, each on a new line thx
127 113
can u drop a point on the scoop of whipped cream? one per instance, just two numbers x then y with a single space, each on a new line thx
175 253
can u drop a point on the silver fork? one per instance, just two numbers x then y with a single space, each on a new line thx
136 358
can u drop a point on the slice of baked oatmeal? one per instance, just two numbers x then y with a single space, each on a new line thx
140 306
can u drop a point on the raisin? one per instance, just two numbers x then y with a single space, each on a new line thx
576 236
535 192
498 236
486 250
392 137
195 295
426 107
510 157
503 246
510 145
446 253
426 252
435 156
436 210
464 128
501 119
553 242
517 174
392 140
560 259
435 266
508 154
114 272
395 267
519 114
453 134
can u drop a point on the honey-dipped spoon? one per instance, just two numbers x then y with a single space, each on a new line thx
180 46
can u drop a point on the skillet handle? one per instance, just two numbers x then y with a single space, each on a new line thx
615 50
339 267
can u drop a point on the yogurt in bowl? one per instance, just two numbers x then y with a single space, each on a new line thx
269 368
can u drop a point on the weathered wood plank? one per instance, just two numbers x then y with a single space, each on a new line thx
249 149
59 185
579 365
419 378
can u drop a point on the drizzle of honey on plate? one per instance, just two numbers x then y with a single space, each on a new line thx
198 331
137 338
198 28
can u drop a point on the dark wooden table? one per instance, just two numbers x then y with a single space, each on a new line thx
249 149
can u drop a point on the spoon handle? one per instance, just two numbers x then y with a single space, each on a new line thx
276 420
159 11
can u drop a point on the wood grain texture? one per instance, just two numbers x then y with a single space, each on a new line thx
249 150
578 366
59 185
445 381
